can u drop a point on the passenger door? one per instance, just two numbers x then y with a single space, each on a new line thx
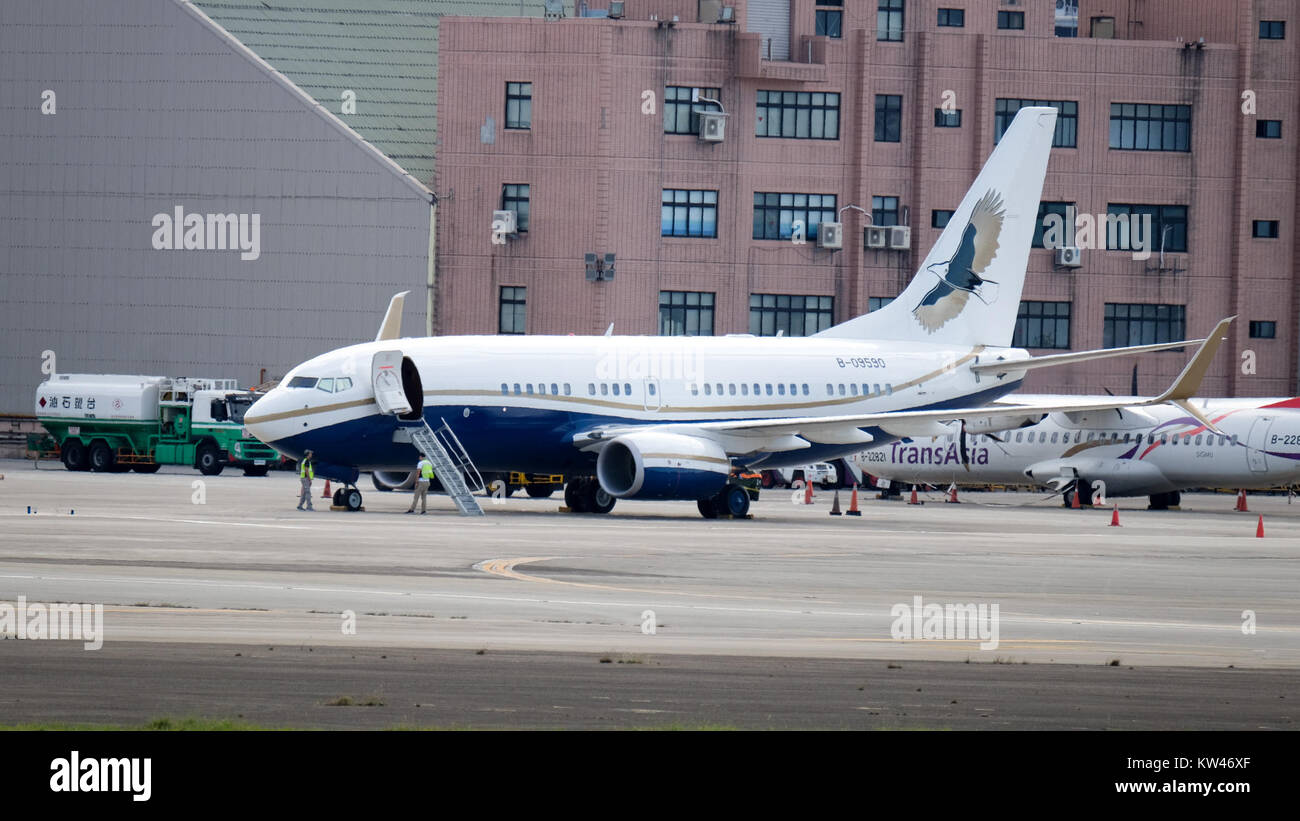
386 376
1256 443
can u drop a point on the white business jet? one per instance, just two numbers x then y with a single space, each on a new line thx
1155 451
668 417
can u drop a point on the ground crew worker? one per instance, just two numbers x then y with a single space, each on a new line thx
306 472
424 475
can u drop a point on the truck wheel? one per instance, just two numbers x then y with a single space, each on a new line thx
74 455
146 468
540 491
507 490
256 470
208 461
101 456
735 501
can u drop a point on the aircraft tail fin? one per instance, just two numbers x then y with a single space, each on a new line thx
391 327
967 291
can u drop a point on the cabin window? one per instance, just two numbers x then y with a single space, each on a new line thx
744 389
731 388
695 389
708 389
830 389
1198 438
555 389
591 388
1090 436
650 386
616 389
1054 438
518 390
566 389
505 389
780 388
1020 436
604 389
805 389
889 390
627 388
769 389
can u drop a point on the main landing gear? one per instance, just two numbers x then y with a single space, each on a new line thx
583 494
1164 501
348 497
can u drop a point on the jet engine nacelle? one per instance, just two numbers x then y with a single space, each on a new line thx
655 465
1123 477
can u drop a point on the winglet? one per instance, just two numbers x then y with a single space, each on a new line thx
391 327
1188 383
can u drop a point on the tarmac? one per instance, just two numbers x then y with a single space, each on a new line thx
773 621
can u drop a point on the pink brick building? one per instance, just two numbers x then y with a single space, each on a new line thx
584 127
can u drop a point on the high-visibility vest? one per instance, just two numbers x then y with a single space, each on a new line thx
426 470
306 469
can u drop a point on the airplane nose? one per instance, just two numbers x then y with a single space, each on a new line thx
257 420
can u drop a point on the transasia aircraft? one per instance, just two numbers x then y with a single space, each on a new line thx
1134 451
669 417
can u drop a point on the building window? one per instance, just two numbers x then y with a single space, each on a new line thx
829 21
1268 129
1168 227
947 118
519 105
884 210
1064 226
1272 29
689 213
1011 20
1042 325
1139 324
1264 229
1142 127
889 20
1263 330
799 115
685 313
681 116
889 118
954 18
514 313
775 214
1101 28
514 197
770 314
1067 119
875 303
940 217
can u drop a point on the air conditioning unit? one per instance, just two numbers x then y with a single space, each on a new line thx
830 235
504 222
1068 256
713 126
877 236
900 237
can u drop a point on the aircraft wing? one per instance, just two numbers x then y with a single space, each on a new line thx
740 436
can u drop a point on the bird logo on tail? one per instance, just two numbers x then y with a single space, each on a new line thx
959 277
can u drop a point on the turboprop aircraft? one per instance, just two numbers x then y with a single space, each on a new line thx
630 417
1153 451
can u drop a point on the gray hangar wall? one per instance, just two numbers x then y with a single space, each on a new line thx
115 113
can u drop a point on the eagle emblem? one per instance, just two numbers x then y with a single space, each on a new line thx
959 277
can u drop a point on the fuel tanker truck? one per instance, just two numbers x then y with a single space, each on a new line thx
114 423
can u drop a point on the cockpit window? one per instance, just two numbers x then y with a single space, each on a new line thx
342 383
326 385
302 382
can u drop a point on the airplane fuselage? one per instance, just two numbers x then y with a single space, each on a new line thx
516 402
1154 450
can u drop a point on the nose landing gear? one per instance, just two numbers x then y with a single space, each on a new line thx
347 498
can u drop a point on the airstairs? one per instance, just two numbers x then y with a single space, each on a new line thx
451 464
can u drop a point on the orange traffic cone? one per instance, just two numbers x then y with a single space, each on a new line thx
807 492
913 500
1259 529
1114 517
1074 498
952 494
1241 501
327 494
835 505
853 502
